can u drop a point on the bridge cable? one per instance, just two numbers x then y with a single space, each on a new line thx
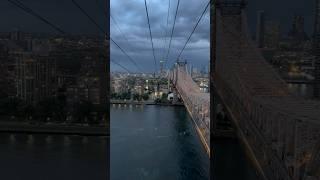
194 28
118 64
154 57
124 52
118 27
124 37
166 30
30 11
113 19
174 23
22 6
89 17
102 30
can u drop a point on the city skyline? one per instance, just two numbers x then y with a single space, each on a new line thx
274 11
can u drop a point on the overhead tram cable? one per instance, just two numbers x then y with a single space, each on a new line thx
166 30
113 19
174 23
154 57
89 17
118 64
103 31
118 27
22 6
124 52
30 11
194 28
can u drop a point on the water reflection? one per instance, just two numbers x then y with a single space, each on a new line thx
302 90
155 143
12 139
30 139
51 157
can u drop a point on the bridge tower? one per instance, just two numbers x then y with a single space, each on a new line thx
227 8
172 81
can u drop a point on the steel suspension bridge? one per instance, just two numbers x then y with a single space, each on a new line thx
281 131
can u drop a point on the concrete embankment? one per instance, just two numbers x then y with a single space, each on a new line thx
144 103
54 129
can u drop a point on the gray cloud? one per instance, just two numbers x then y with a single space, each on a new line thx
62 13
131 17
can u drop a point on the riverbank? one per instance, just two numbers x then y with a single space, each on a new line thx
54 128
144 103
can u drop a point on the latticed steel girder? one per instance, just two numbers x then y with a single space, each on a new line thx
286 128
191 91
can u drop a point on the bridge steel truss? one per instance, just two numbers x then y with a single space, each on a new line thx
281 130
196 102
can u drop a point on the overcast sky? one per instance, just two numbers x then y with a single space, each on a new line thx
62 13
131 16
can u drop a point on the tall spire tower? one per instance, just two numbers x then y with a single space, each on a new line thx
260 29
316 50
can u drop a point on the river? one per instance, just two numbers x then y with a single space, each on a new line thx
160 143
302 90
53 157
150 142
155 143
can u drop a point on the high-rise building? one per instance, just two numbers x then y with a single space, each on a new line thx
260 29
35 77
7 86
161 67
316 50
16 35
272 34
93 80
298 24
297 33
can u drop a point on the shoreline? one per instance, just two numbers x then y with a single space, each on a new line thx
112 102
15 127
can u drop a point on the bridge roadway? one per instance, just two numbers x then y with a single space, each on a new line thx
196 102
282 131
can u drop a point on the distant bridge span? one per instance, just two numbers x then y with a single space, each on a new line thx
196 102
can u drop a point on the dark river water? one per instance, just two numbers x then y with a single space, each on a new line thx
302 90
160 143
150 143
52 157
155 143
